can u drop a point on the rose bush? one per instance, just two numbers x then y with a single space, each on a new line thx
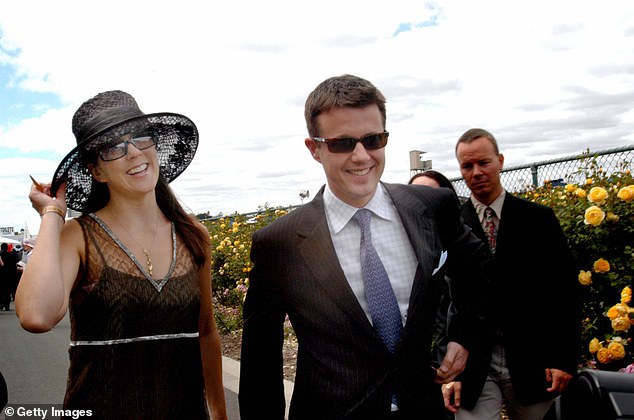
597 216
231 265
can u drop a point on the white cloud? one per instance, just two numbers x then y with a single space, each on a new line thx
548 78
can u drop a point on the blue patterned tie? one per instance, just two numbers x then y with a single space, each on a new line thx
384 311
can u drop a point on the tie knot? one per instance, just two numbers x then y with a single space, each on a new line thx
362 217
489 213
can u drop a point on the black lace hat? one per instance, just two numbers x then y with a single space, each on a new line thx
103 120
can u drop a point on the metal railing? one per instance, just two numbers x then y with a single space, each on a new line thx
565 170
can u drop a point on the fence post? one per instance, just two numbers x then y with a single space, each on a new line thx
534 174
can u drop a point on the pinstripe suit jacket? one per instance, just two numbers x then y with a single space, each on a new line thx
343 368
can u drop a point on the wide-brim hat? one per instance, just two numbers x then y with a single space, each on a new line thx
103 120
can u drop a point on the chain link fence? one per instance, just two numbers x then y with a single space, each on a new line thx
561 171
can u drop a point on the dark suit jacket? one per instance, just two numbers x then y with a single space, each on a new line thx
343 368
536 301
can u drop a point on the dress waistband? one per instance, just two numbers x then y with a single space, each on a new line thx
74 343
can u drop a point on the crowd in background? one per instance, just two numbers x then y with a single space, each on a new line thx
13 259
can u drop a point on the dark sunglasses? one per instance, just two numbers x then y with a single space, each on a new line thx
347 144
119 150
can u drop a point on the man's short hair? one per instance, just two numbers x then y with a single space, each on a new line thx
341 91
474 134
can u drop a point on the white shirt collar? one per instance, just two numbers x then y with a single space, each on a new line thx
340 213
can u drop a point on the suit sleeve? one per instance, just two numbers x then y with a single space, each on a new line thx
261 393
563 290
467 275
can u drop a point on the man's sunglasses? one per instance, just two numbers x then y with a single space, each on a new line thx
347 144
119 150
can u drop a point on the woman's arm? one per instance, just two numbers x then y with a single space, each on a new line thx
42 296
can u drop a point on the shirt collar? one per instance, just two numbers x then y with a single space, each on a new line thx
340 213
496 205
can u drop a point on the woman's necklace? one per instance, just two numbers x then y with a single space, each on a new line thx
148 256
146 251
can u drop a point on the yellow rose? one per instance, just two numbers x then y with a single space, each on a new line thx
621 323
585 277
595 345
603 355
597 195
601 266
617 351
611 217
589 181
580 192
570 187
626 193
593 216
614 312
626 295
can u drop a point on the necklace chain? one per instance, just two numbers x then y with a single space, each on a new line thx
146 252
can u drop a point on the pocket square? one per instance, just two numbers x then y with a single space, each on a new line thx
441 262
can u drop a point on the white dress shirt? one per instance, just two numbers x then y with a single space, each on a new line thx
388 237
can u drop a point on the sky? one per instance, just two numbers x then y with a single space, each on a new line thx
548 78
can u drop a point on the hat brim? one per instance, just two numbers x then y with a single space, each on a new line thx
176 139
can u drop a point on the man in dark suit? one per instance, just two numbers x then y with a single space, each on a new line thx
362 354
536 320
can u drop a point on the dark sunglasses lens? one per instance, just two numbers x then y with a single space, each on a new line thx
344 145
372 142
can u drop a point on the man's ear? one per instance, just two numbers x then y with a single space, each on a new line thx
313 147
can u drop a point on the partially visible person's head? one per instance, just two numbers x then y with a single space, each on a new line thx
480 164
341 91
346 123
431 178
4 246
28 244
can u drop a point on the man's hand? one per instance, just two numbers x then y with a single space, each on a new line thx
559 380
451 395
453 364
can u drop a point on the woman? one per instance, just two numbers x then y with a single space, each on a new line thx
133 270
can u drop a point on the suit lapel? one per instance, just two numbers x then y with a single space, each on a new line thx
416 220
316 248
471 219
417 223
507 223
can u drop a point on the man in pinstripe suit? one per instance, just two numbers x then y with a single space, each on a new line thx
307 264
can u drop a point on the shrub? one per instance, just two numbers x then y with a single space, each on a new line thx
231 265
597 217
